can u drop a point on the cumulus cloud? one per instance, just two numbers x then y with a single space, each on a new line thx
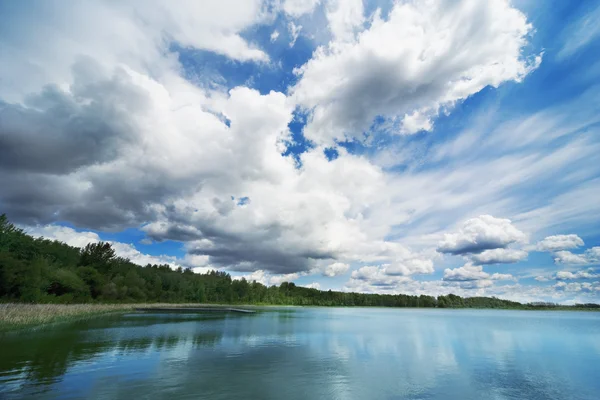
590 256
559 242
344 18
593 287
499 256
582 274
113 130
336 269
449 51
465 273
483 233
473 277
375 276
502 277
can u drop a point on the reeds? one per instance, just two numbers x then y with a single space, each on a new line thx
17 315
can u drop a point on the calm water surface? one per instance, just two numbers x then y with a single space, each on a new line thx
310 353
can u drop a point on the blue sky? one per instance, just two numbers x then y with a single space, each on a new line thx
397 147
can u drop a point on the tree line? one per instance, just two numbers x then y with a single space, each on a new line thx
38 270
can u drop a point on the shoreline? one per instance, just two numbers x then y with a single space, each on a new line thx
17 316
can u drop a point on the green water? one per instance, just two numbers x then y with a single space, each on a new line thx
313 353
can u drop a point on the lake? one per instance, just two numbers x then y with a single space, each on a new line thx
309 353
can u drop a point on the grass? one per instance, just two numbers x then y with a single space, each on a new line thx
17 315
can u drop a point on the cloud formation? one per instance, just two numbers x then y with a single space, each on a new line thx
499 256
559 242
336 269
121 129
480 234
590 256
449 51
80 239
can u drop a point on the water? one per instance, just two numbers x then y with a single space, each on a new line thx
312 353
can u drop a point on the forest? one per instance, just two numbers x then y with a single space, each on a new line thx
38 270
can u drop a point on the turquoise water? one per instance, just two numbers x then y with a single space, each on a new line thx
311 353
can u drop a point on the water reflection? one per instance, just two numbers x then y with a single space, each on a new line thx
310 353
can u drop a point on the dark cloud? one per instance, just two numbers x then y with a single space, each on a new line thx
57 131
473 248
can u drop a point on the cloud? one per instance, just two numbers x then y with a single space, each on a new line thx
578 286
450 51
313 285
483 233
266 278
499 256
297 8
559 242
465 273
590 256
56 131
344 18
410 266
294 32
583 274
502 277
80 239
124 129
580 33
274 35
473 277
336 269
375 276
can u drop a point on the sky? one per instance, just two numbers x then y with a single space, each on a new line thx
418 147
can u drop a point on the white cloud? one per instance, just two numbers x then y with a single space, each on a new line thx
583 274
578 286
313 285
416 122
173 148
297 8
502 277
64 234
267 279
580 33
259 276
140 35
590 256
566 257
483 233
294 32
410 266
465 273
274 35
438 62
344 18
499 256
336 269
80 239
473 276
559 242
372 275
279 279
